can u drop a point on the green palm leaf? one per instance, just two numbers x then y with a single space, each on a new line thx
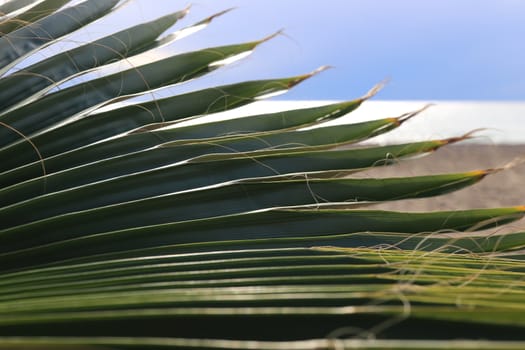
40 10
129 229
20 43
39 77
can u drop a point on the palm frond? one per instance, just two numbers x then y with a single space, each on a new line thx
126 228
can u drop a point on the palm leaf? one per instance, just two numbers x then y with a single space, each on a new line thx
37 79
17 45
22 17
130 229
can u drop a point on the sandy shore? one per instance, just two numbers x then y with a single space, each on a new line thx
506 188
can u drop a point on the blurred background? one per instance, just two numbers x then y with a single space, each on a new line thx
431 50
467 57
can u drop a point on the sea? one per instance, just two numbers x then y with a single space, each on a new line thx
494 122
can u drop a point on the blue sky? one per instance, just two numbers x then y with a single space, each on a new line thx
431 49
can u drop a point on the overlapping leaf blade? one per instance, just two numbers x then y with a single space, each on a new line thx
39 77
115 234
192 170
14 5
154 114
57 107
252 303
20 43
244 196
33 14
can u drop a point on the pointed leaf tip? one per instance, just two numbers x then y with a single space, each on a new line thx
182 13
218 14
482 173
317 71
300 78
514 163
270 37
407 116
210 19
468 136
321 69
374 90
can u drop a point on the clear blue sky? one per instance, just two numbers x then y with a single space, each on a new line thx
430 49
